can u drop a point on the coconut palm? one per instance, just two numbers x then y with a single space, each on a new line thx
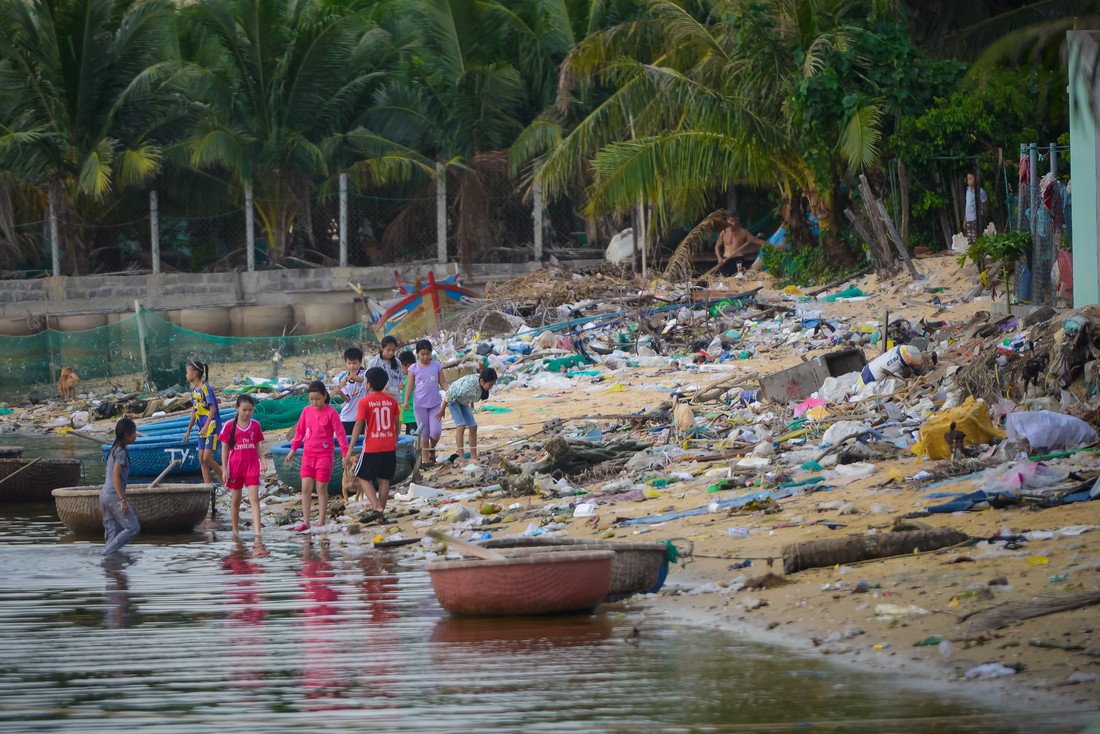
280 84
86 89
458 103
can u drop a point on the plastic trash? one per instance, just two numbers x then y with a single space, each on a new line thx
987 671
1048 430
972 418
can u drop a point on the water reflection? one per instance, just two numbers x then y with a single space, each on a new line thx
322 680
120 603
245 602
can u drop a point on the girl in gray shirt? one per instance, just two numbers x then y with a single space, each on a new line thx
120 524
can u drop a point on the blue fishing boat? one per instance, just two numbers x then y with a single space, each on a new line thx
150 456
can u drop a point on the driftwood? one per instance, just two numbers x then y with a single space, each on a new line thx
1017 611
833 551
574 457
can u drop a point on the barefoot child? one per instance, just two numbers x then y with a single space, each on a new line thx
244 462
120 524
408 416
352 385
377 421
461 396
316 428
204 410
425 381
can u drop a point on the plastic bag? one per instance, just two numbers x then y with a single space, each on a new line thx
1046 429
972 418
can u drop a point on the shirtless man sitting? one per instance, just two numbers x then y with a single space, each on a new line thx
736 248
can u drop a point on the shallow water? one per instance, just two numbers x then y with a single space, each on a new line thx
194 633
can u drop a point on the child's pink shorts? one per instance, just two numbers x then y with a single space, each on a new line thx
317 468
250 480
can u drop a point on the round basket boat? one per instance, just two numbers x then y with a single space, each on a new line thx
11 452
561 582
166 508
288 468
638 568
31 480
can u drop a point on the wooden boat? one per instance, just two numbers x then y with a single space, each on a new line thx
418 309
166 508
150 457
11 452
288 468
554 582
31 480
638 568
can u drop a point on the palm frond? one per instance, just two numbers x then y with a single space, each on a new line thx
681 263
859 143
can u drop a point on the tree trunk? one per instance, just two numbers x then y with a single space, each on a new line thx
731 200
903 196
835 551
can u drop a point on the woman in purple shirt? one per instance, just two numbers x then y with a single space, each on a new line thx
425 381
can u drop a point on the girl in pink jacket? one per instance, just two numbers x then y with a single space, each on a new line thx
318 426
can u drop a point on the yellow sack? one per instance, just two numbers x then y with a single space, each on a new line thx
972 418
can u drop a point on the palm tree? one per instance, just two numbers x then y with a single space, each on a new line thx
86 88
458 104
732 92
280 83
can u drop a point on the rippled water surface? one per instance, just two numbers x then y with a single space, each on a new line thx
196 633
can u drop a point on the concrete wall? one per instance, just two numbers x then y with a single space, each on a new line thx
26 301
1084 142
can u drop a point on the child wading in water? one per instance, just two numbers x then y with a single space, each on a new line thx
204 410
425 381
408 416
461 396
316 428
352 385
377 421
120 524
244 462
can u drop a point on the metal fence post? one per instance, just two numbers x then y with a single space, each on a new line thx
536 214
249 227
343 220
55 236
154 231
440 214
1033 205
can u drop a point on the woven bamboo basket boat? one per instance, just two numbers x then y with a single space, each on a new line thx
556 582
288 468
166 508
32 480
638 568
11 452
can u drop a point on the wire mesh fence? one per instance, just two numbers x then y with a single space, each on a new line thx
201 227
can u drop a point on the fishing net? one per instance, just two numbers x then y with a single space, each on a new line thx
145 350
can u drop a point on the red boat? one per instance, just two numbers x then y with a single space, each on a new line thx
419 309
537 583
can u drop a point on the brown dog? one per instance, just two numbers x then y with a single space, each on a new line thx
67 383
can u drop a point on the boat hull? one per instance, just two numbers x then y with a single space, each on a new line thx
150 458
563 582
32 480
288 468
162 509
638 568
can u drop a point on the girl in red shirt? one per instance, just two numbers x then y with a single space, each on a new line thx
244 461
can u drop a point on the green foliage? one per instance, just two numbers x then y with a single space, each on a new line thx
1004 248
805 266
